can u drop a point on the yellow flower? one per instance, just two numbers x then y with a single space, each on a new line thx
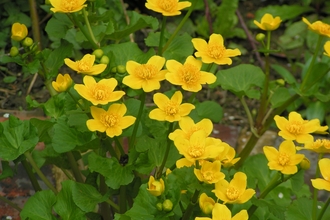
101 92
111 121
167 7
327 48
268 22
206 203
318 146
183 162
67 6
155 187
188 75
188 127
285 159
62 83
198 147
323 184
221 212
146 76
297 128
18 31
170 109
227 157
214 51
318 27
235 191
86 65
209 172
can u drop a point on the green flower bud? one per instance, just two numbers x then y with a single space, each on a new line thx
14 51
167 205
121 69
305 164
27 42
114 69
260 37
280 82
105 59
159 206
98 53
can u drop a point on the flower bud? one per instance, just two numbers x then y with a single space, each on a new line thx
280 82
14 51
18 31
167 205
121 69
206 203
62 83
98 53
260 37
156 187
27 42
305 164
159 206
105 59
114 69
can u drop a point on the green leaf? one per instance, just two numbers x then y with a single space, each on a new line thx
316 110
115 174
279 96
180 48
300 209
287 76
137 22
65 206
58 26
85 196
241 80
318 72
285 12
55 59
9 79
43 128
16 138
145 143
39 206
210 110
67 138
6 171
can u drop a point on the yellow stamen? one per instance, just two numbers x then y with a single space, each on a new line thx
216 51
146 71
232 193
109 120
283 159
190 74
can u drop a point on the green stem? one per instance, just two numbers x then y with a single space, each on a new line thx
105 209
107 145
138 119
122 199
74 167
277 180
90 31
35 22
119 146
324 208
161 38
191 205
15 206
83 30
315 191
38 171
114 205
249 116
167 151
50 88
31 175
309 70
193 2
209 67
75 100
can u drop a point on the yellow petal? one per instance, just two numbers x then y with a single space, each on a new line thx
287 147
199 44
160 100
157 61
247 195
95 125
242 215
324 165
239 181
73 65
321 184
216 39
96 69
221 212
118 109
271 153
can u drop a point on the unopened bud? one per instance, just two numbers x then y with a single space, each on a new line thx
98 53
280 82
167 205
13 51
260 37
159 206
27 42
121 69
305 164
105 59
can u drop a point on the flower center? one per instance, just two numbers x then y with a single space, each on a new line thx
295 127
216 51
100 92
190 74
146 71
167 5
208 175
196 151
283 159
232 193
171 108
69 5
109 119
83 65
